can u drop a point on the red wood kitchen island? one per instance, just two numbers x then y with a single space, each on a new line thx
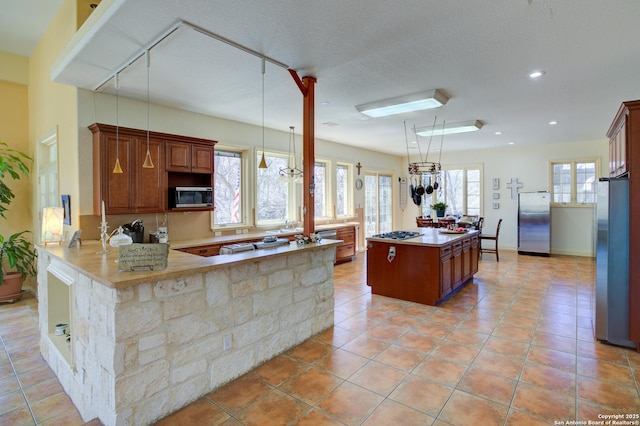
424 265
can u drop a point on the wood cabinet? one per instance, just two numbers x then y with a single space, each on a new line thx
347 250
624 158
618 148
136 189
426 274
189 157
144 190
204 251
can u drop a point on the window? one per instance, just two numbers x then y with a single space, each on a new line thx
574 182
378 204
343 179
320 190
228 188
274 203
460 189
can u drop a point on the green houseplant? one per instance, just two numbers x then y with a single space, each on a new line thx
17 254
439 208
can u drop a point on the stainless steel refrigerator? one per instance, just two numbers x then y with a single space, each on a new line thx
612 262
534 223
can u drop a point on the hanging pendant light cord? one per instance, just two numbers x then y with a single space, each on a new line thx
263 163
148 163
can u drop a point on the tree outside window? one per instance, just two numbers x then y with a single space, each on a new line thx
228 184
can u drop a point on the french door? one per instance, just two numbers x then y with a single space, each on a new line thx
378 203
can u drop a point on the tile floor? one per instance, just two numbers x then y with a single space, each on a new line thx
514 347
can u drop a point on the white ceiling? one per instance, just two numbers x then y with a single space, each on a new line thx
479 52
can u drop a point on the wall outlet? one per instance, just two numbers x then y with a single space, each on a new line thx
245 231
218 233
238 231
226 342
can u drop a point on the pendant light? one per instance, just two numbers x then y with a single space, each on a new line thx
117 169
291 173
263 163
148 164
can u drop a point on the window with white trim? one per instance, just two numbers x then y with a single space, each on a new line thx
460 188
321 190
275 196
228 188
344 206
574 182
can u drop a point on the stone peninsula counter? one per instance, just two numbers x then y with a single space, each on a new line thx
131 347
426 269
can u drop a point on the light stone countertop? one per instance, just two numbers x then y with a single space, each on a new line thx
429 237
230 239
103 268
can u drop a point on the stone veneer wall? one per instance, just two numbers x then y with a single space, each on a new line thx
145 351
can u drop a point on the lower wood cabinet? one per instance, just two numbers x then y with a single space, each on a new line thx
421 273
347 250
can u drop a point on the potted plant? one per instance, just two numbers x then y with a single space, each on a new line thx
439 208
17 254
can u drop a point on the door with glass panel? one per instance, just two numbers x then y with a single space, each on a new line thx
378 203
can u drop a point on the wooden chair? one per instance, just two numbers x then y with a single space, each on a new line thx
493 238
480 223
424 222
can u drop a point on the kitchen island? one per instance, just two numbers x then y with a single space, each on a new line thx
132 347
427 268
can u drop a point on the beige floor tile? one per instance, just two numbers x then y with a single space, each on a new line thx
422 395
311 385
465 409
488 385
544 403
274 408
377 377
350 404
392 413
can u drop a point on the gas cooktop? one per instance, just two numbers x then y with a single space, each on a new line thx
398 235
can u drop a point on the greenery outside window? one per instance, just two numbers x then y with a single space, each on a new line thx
321 187
378 203
574 182
275 202
460 188
228 188
343 191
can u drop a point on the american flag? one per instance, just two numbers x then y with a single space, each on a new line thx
236 202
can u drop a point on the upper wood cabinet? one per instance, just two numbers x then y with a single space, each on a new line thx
189 157
138 189
624 152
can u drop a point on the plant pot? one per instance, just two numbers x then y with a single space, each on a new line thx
439 213
11 288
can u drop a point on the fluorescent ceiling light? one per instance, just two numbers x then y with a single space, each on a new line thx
450 129
407 103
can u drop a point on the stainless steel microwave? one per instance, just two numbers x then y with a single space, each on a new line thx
190 196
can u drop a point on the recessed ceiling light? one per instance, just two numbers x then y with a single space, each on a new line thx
511 143
330 123
553 122
324 103
498 132
536 74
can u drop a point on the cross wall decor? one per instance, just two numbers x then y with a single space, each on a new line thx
513 184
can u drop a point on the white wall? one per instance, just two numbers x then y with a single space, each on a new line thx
572 229
102 108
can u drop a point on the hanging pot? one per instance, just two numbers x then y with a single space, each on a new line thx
436 184
429 187
420 188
